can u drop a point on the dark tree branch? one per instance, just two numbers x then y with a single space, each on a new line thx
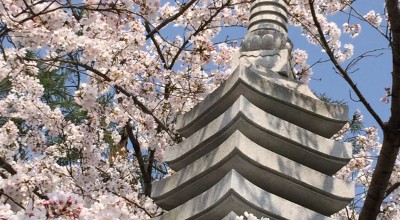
391 132
136 101
170 19
133 203
38 194
344 74
361 18
3 175
159 51
5 165
394 19
201 28
391 189
74 12
364 55
139 156
150 161
11 199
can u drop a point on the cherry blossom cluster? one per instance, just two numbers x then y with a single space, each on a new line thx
387 95
60 168
373 18
301 16
249 216
367 146
301 69
363 144
354 30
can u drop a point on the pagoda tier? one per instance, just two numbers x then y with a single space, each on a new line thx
263 168
234 193
279 96
268 131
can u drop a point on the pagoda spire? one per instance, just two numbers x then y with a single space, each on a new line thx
266 45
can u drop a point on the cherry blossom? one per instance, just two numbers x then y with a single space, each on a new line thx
374 18
128 68
249 216
301 68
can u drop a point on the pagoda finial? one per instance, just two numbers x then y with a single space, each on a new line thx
266 44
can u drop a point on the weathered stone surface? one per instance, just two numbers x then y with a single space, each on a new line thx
265 169
267 131
279 96
268 15
231 216
273 60
266 45
271 18
235 193
263 8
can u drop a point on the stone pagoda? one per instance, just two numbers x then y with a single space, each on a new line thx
260 142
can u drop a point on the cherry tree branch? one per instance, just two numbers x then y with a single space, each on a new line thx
391 133
201 28
12 200
394 19
170 19
136 101
132 202
360 17
364 55
150 161
344 74
5 165
138 151
391 189
38 194
391 130
156 44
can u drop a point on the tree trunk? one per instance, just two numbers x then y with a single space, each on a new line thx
391 131
381 176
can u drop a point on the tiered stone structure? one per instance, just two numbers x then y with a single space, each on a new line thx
259 143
